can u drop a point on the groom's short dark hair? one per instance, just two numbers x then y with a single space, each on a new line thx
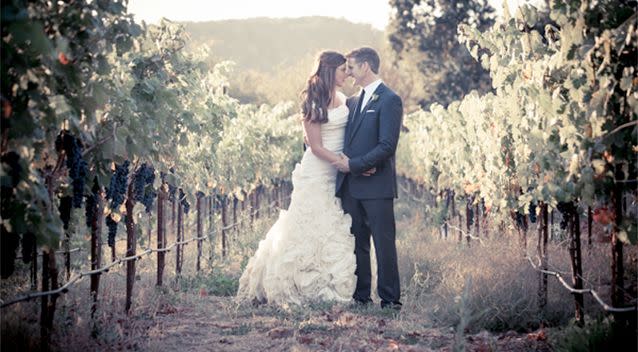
368 55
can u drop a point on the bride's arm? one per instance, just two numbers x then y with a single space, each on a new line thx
313 134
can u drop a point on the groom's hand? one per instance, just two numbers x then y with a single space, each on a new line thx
370 172
342 164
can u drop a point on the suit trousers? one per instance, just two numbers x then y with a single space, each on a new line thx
373 217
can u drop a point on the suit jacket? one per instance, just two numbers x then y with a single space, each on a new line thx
370 140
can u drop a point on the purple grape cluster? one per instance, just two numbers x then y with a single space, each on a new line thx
116 193
78 168
65 210
28 247
9 240
117 187
143 186
565 209
12 168
8 245
112 228
90 209
532 212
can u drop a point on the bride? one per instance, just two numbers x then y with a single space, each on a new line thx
308 254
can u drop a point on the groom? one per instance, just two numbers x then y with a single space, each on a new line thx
370 142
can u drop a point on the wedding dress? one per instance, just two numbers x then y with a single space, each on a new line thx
308 254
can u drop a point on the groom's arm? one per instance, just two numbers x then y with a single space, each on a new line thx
389 127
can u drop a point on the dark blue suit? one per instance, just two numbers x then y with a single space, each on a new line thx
370 140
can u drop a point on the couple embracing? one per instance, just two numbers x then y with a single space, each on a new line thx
343 195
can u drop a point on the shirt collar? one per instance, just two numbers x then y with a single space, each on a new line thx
370 88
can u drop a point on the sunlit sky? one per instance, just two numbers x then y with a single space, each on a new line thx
374 12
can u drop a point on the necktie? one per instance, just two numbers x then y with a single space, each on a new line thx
360 103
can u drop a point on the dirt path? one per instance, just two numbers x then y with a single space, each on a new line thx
209 323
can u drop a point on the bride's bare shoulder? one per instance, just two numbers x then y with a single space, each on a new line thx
343 99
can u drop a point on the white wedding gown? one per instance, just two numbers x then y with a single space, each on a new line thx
308 254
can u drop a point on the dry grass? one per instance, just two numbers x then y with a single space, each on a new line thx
114 329
451 294
504 286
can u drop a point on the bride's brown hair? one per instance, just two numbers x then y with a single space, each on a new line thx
317 95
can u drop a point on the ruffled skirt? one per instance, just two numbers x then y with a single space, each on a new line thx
308 254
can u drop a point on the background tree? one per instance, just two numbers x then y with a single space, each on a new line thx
423 34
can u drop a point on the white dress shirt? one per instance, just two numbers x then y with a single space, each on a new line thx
369 89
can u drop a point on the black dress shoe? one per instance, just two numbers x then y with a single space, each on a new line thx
362 302
391 305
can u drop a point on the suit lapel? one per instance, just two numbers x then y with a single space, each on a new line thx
351 115
380 89
357 117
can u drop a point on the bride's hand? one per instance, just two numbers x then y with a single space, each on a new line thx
370 172
342 163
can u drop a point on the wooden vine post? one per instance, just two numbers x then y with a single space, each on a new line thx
200 201
34 265
542 253
589 227
211 228
224 202
161 234
44 302
96 245
131 245
178 251
235 202
477 218
576 260
617 265
460 216
468 219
